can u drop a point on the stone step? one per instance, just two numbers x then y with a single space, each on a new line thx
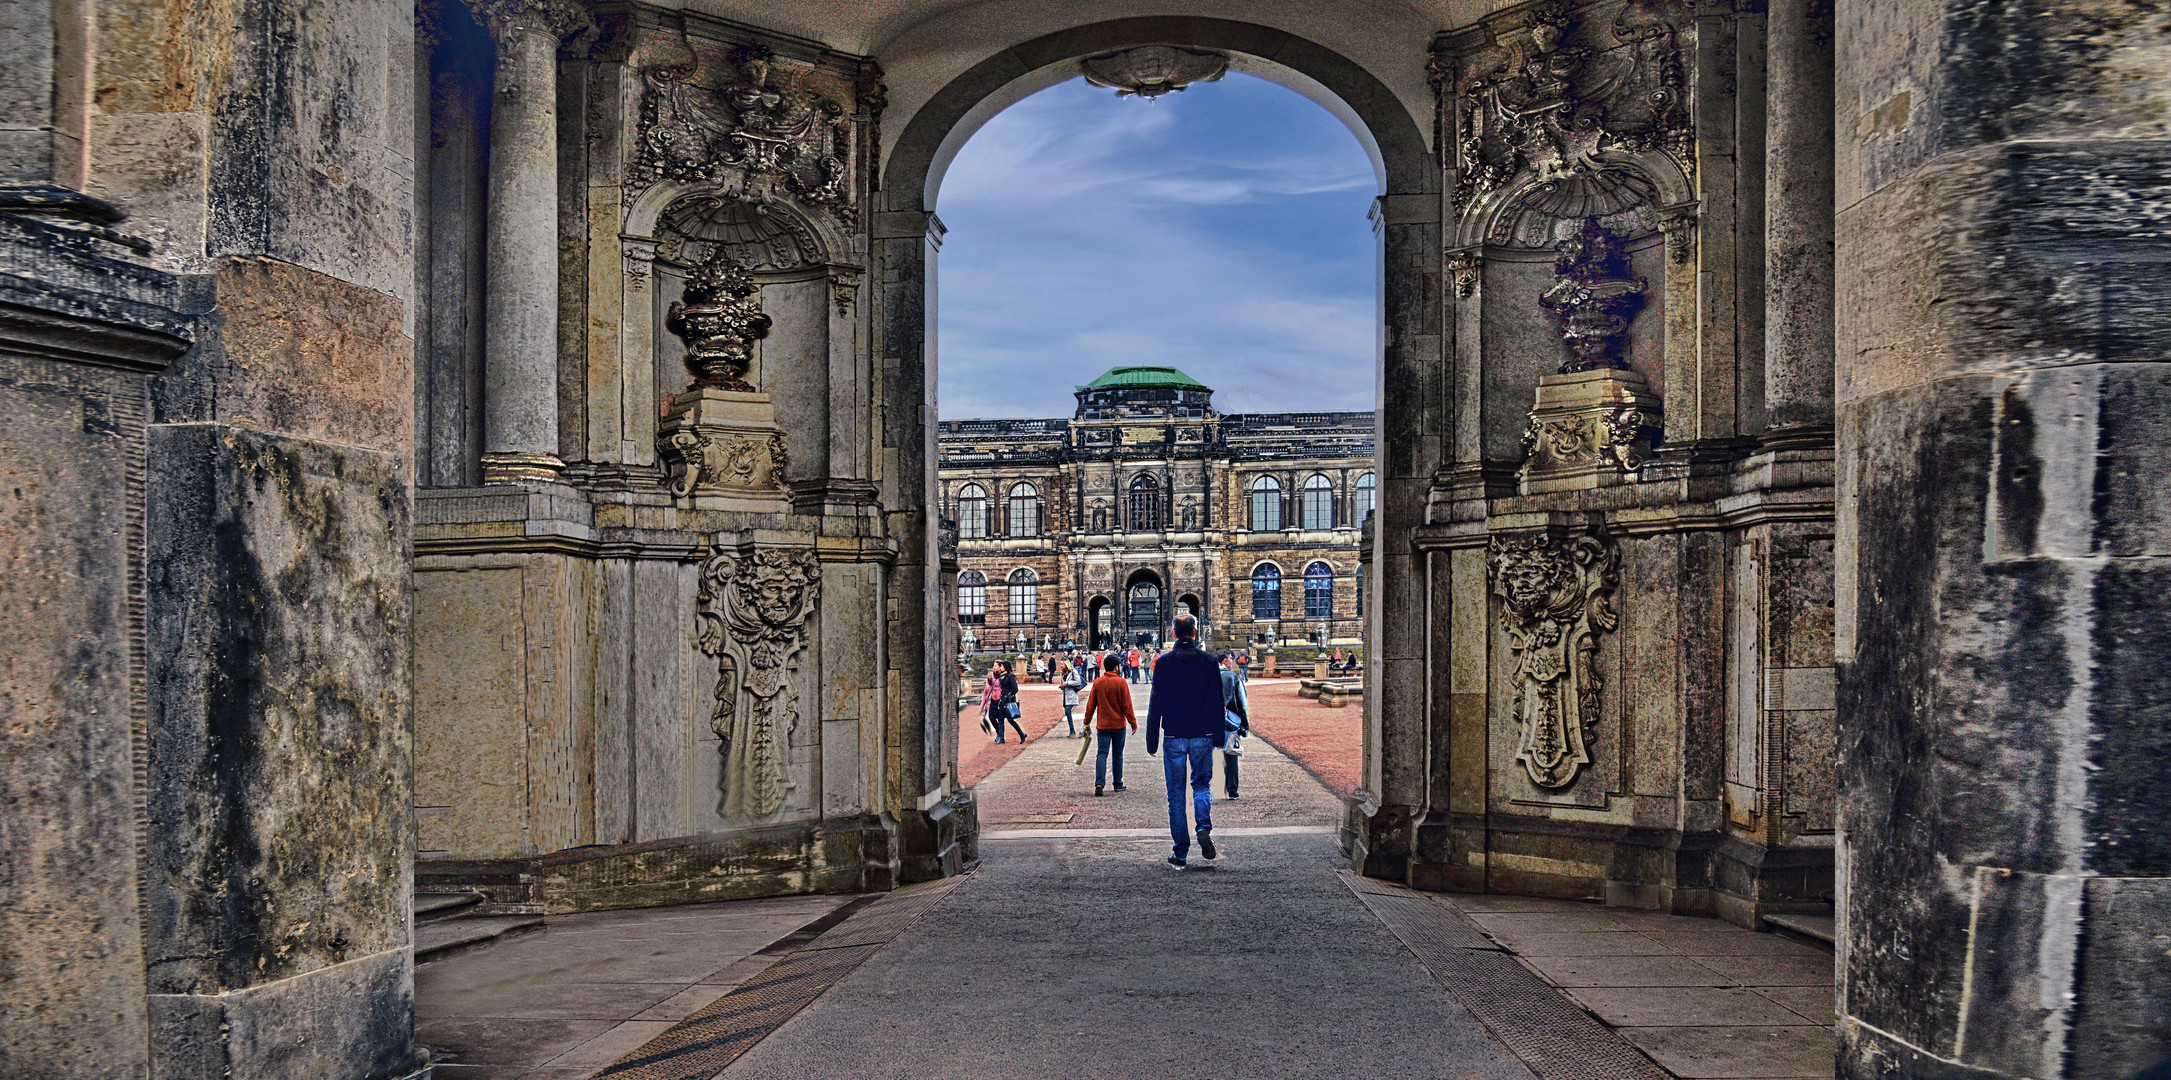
1821 928
436 907
451 937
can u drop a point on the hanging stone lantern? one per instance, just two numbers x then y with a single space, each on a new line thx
1150 71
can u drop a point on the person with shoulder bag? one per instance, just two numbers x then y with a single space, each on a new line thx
1236 717
1072 683
1007 708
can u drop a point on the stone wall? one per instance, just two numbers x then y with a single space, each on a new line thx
1627 651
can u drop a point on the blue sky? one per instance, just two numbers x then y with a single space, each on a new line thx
1221 230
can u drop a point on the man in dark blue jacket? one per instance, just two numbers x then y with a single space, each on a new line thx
1186 708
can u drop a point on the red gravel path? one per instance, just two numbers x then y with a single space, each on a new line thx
1329 743
977 753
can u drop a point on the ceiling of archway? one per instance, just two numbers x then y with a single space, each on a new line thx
923 44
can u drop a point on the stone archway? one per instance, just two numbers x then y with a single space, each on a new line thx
1407 216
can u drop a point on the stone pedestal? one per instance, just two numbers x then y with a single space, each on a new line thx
1589 429
725 451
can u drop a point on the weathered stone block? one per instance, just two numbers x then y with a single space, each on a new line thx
279 775
71 946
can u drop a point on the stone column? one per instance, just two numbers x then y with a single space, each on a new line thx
520 312
2004 592
1798 229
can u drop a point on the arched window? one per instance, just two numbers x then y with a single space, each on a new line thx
1024 510
1318 507
1367 497
1266 592
972 512
1145 503
1024 596
972 597
1266 504
1319 591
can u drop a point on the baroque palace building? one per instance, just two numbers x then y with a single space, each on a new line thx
1147 503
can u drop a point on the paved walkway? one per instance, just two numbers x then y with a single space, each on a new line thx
1073 952
562 1003
1067 958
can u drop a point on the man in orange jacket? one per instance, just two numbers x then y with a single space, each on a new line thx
1108 713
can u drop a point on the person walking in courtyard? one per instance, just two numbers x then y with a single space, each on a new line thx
1184 715
1007 707
1147 661
1236 720
1071 685
991 696
1109 716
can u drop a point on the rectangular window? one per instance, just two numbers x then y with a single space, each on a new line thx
1024 605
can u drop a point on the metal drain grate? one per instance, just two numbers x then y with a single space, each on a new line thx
701 1045
1556 1039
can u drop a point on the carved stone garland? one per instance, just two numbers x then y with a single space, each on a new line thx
751 615
1556 596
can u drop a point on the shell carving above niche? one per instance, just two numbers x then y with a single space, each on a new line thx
758 236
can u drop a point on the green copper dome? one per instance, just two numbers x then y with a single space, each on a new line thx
1160 377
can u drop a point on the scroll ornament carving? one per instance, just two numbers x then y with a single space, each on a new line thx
751 615
1629 433
719 319
1552 96
1463 266
1595 293
1679 225
1556 593
762 130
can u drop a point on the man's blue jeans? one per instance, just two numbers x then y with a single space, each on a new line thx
1111 740
1195 756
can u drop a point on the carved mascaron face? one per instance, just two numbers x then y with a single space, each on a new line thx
776 590
1531 581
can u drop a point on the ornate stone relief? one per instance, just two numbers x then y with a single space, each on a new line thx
765 131
1549 96
751 615
1556 597
720 434
1595 292
1463 267
1150 71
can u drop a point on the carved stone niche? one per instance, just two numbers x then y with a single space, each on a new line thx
1555 588
1595 421
752 615
720 437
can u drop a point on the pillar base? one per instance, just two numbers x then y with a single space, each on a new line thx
1588 429
512 468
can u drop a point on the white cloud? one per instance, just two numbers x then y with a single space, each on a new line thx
1223 234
